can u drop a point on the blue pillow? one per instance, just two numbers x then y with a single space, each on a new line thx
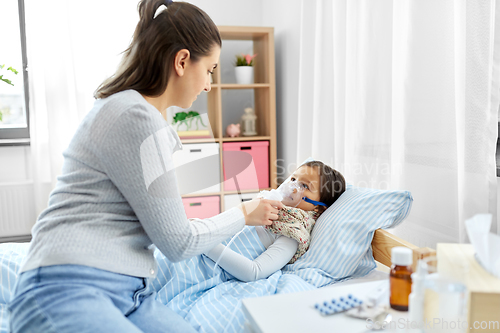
341 238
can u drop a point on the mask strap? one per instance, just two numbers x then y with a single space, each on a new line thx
306 199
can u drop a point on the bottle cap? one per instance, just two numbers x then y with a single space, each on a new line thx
402 256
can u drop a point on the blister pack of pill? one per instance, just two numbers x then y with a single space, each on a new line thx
337 305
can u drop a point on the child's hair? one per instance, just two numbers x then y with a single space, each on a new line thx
147 63
332 184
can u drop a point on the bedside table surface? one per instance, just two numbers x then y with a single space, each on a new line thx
295 312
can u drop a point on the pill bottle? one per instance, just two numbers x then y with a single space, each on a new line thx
400 277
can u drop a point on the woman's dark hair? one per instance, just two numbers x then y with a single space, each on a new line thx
148 61
332 184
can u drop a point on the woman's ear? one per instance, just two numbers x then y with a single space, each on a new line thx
180 61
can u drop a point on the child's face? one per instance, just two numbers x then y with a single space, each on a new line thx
308 177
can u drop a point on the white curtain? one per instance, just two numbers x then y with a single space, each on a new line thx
72 47
402 94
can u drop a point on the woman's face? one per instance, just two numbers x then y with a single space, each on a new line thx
309 178
195 79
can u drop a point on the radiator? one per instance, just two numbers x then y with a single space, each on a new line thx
17 209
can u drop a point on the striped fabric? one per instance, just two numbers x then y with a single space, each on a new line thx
210 298
341 239
11 256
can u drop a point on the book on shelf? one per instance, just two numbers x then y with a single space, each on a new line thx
198 134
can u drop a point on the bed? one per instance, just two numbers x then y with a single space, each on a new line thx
346 243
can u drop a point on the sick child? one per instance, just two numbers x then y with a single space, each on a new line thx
310 190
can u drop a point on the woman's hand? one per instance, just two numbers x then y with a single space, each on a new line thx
260 211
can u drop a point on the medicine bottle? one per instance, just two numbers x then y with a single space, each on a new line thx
400 277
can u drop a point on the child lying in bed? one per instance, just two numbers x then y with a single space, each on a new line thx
288 238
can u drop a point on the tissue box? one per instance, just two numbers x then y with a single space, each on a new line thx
484 288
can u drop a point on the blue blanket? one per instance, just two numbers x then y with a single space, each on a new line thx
11 256
208 297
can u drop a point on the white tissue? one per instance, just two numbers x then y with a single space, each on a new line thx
486 244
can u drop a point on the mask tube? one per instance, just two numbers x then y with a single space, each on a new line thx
316 203
228 244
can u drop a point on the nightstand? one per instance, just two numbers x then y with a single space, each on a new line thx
295 312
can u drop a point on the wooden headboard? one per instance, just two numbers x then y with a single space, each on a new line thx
383 241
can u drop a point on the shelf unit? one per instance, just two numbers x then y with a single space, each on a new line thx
264 101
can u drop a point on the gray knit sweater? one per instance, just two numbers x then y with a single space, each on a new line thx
117 195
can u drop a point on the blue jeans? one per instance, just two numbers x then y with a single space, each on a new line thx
74 298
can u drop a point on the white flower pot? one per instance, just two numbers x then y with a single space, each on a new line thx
244 74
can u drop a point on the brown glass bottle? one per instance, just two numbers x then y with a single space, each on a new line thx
400 278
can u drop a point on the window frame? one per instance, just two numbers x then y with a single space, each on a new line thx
20 136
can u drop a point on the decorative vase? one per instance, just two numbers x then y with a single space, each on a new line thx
244 74
248 119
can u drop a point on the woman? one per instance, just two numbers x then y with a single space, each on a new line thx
91 255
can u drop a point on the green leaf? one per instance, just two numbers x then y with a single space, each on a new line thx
5 80
12 70
9 69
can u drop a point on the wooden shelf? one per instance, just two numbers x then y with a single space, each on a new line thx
248 191
240 86
264 101
211 140
245 33
222 193
194 195
246 138
227 139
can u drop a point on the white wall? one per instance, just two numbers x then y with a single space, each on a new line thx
284 16
233 12
14 164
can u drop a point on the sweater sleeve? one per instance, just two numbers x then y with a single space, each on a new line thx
277 255
136 154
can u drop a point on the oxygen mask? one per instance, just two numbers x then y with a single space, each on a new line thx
292 192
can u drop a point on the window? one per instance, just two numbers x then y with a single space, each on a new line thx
14 113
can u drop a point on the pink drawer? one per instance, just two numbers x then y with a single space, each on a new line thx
201 207
248 162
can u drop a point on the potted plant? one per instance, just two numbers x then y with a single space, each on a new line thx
186 119
244 68
6 81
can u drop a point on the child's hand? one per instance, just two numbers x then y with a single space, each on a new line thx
260 211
